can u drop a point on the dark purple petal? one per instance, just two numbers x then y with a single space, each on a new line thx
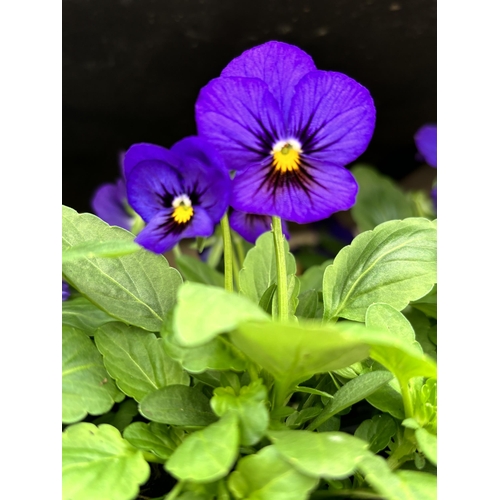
143 151
278 64
109 203
251 226
313 193
151 187
241 118
162 233
205 177
332 116
426 142
66 292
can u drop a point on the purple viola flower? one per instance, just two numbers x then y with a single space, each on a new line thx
110 202
66 292
180 193
426 142
251 226
288 130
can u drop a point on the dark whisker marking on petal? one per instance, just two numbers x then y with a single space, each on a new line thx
270 139
172 227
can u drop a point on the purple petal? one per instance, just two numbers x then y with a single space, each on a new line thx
332 116
151 187
320 189
143 151
251 226
278 64
66 292
426 142
108 203
162 234
241 118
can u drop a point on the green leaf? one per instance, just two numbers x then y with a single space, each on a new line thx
208 454
137 360
82 314
266 476
427 443
178 405
418 485
293 289
259 267
387 317
293 353
388 399
394 264
250 407
138 289
421 324
379 199
104 249
308 304
122 417
156 438
377 431
329 455
428 303
86 385
266 301
352 392
98 463
197 271
203 312
312 279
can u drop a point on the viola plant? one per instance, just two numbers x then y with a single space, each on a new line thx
239 377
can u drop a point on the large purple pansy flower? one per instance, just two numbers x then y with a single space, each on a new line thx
180 193
110 202
426 142
251 226
288 130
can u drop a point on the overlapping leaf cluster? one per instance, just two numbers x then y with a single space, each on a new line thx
166 368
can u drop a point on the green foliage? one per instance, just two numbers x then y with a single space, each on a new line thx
98 463
377 431
198 272
124 286
393 264
92 249
82 314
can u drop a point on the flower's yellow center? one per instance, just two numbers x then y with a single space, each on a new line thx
286 156
183 211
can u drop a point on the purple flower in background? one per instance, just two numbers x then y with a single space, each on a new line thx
180 193
288 130
426 142
251 226
110 202
65 291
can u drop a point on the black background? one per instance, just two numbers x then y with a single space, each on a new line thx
132 70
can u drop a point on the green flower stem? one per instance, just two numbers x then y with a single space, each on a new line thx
177 251
279 245
407 402
228 253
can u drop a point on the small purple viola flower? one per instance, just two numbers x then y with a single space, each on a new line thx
426 142
288 130
180 193
251 226
66 292
110 202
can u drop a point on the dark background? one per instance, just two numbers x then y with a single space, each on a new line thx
132 70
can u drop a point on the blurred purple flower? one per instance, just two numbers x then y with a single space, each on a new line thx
66 292
251 226
288 130
426 142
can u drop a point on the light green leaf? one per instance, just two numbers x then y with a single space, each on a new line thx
352 392
266 476
92 249
428 303
377 431
203 312
308 304
250 407
197 271
312 279
293 353
394 264
421 324
156 438
86 385
208 454
138 289
98 463
329 455
259 267
137 360
178 405
81 313
379 199
427 443
419 485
